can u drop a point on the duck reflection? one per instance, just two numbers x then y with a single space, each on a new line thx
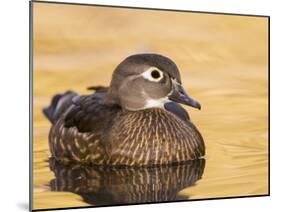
99 185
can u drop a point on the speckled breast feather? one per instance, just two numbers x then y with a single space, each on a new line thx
140 138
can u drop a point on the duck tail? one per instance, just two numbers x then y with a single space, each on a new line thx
59 104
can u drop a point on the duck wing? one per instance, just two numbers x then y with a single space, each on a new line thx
59 105
89 113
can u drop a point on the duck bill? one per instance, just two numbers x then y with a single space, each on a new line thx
180 96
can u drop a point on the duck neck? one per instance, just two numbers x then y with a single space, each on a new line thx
111 97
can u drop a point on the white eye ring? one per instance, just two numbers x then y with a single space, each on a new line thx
148 74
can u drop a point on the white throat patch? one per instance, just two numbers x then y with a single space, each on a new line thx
153 103
158 103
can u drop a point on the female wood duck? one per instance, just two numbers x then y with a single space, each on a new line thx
136 121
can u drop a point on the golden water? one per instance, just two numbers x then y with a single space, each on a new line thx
223 63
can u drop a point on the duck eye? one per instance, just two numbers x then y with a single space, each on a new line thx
155 74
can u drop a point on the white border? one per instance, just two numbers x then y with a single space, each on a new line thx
14 103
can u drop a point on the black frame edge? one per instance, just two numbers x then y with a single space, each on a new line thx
149 203
147 8
268 80
31 106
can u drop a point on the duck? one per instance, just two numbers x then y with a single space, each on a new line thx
138 120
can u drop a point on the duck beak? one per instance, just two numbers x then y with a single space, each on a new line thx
179 95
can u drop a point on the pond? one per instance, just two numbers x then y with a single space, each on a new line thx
223 64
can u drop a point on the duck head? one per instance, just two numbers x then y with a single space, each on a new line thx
145 81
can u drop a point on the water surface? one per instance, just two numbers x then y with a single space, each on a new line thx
223 63
99 185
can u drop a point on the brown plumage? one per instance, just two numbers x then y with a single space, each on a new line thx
116 128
